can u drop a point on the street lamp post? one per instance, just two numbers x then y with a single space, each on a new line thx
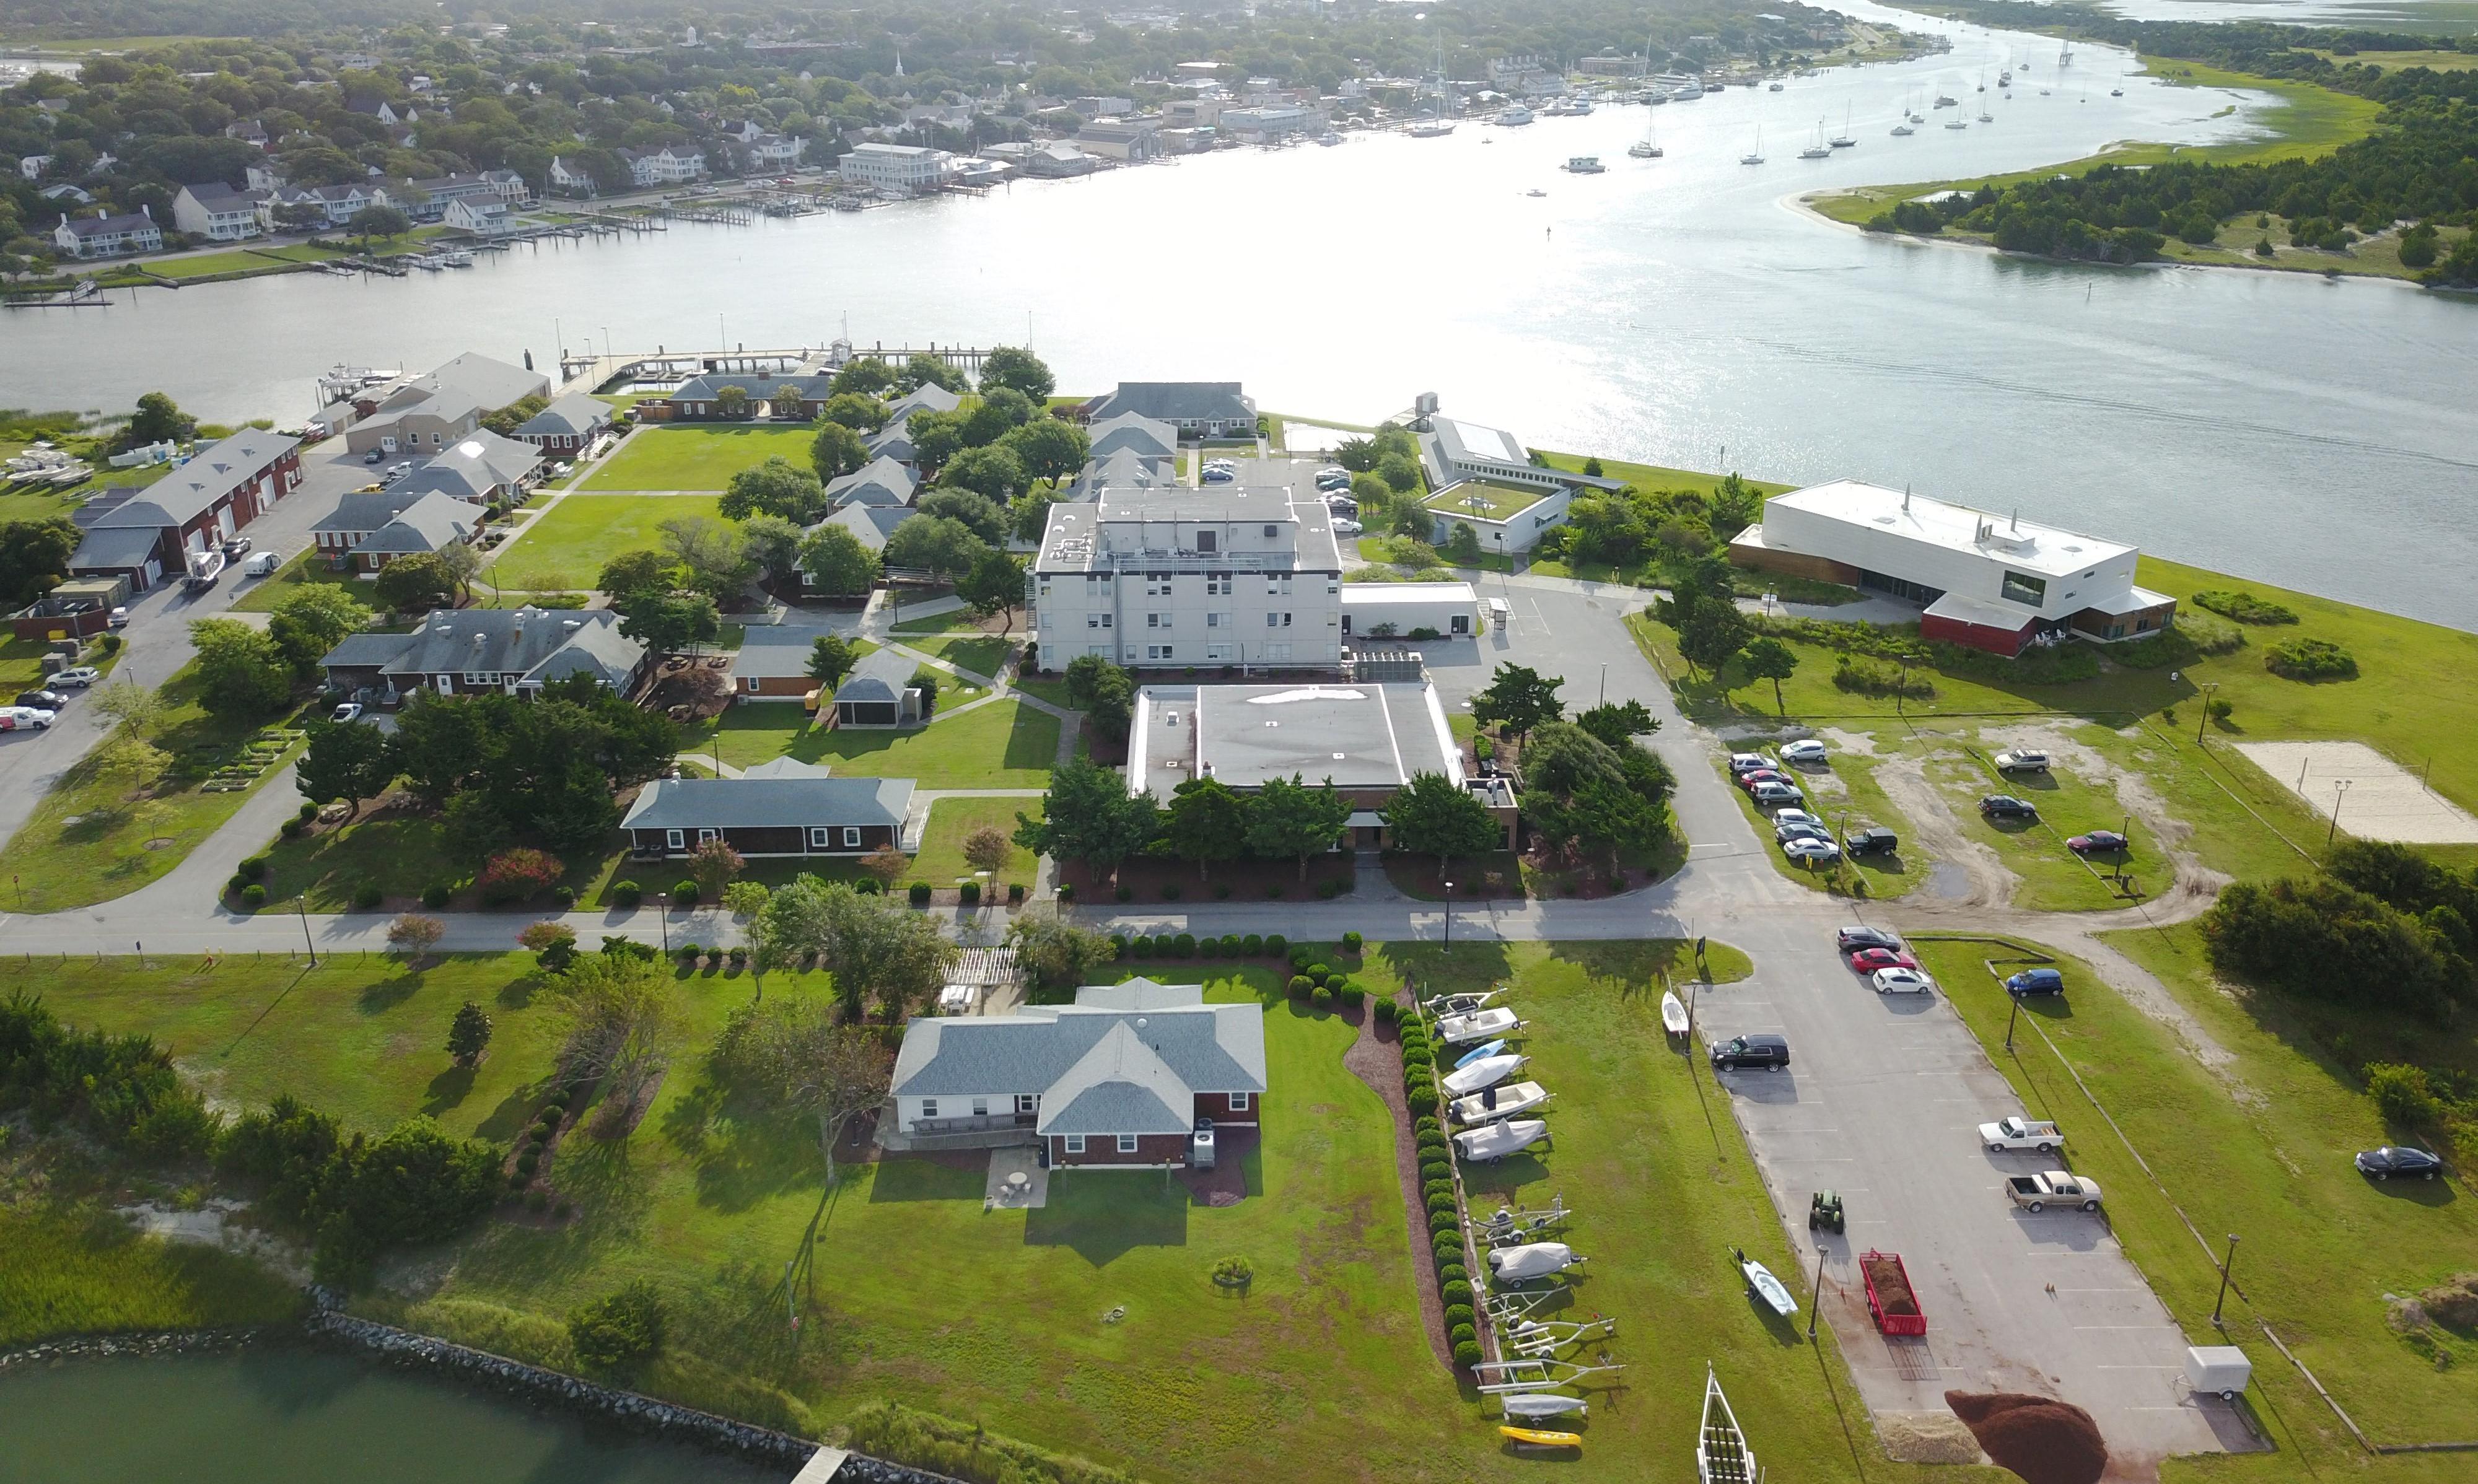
2209 686
663 915
1449 916
2339 791
1604 682
2011 1016
2226 1263
301 905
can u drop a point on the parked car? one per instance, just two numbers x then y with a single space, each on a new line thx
1741 1052
264 564
1812 851
1743 763
1347 527
374 456
1333 478
41 700
1869 960
350 711
1218 476
1856 936
1785 831
77 677
118 618
1805 750
2005 806
2388 1160
2100 843
24 719
1871 839
1795 817
237 546
1772 795
2035 981
2021 762
1901 981
1765 774
2007 1136
2052 1187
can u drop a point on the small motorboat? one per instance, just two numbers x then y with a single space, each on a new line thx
1495 1022
1463 1081
1673 1012
1532 1260
1533 1437
1491 1105
1761 1284
1481 1052
1535 193
1497 1141
1536 1404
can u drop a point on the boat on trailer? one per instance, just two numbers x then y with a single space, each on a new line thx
1497 1141
1496 1020
1487 1072
1721 1452
1490 1105
1540 1404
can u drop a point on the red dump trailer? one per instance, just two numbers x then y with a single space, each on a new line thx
1891 1301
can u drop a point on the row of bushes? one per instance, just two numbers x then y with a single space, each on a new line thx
2244 606
120 1088
1448 1244
2310 658
1187 945
1862 676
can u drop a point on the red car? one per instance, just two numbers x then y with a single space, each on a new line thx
1749 780
1867 961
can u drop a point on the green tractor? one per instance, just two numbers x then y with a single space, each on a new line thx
1824 1209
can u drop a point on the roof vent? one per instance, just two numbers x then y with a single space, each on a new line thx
1141 1022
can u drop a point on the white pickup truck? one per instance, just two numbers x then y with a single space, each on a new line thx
2013 1135
2052 1187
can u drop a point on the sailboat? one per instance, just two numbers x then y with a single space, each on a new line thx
1843 139
1721 1452
1816 150
1436 126
1755 156
1957 121
2065 55
1645 148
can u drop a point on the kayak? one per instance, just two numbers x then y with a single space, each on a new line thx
1672 1014
1479 1053
1533 1437
1761 1283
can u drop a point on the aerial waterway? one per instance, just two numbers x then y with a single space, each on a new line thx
1677 310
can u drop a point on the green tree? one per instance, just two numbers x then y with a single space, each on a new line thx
837 451
1288 818
1089 816
638 571
1769 659
1206 821
1712 633
776 487
1462 543
1028 518
979 512
1517 700
1414 520
1049 448
1619 722
925 369
313 619
994 586
619 1332
1105 692
669 623
1019 370
773 543
874 945
936 436
242 674
468 1035
831 658
732 400
159 420
868 376
1058 955
1002 410
936 543
860 414
790 1058
379 221
836 564
416 583
351 761
35 556
1432 815
713 554
1400 472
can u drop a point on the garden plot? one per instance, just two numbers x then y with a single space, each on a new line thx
2375 796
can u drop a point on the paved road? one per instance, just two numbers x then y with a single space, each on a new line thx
1881 1102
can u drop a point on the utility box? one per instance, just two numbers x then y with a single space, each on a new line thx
2220 1369
1200 1145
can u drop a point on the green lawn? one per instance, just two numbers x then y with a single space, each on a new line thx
95 838
1653 476
208 265
1001 745
980 656
2260 1147
699 458
941 861
401 853
564 549
308 567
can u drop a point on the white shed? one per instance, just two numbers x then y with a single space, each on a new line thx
1394 610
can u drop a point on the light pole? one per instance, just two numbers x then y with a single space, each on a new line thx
1901 683
1449 916
2339 791
300 904
1604 682
2226 1263
2209 686
1815 1300
2011 1016
663 915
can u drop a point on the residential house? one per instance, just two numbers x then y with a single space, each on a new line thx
438 193
672 165
218 213
481 469
882 482
432 523
147 533
263 175
869 525
928 398
898 169
339 205
1121 1078
1197 408
107 235
700 399
485 217
1147 437
360 514
512 651
249 130
1133 140
879 692
33 166
774 664
574 179
568 426
425 413
1367 738
1122 469
894 442
1058 161
68 191
782 808
774 153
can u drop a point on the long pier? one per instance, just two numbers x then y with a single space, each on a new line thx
589 372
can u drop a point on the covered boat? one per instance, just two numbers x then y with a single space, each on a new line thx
1532 1260
1497 1141
1488 1072
1539 1404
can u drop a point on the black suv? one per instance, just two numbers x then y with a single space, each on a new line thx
1770 1052
1871 839
2005 806
43 700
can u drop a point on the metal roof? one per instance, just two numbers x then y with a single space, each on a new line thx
765 803
1175 401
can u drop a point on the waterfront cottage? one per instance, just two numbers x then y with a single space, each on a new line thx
1197 408
218 213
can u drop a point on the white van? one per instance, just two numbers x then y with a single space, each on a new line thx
263 564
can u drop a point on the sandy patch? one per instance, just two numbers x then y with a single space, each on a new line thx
1855 744
2375 796
1927 1438
1905 782
212 1225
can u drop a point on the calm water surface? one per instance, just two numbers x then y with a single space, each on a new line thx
1680 311
285 1416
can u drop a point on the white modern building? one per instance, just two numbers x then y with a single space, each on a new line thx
1991 582
898 169
1483 477
1403 610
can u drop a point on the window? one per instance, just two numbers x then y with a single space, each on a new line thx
1239 1103
1280 652
1074 1143
1096 621
705 834
852 837
1219 651
1209 540
1126 1143
1269 533
675 840
1273 620
819 837
1157 585
928 1107
1157 620
1217 587
1027 1102
1157 651
2023 587
1217 620
748 683
980 1107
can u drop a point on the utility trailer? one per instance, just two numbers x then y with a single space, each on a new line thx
1891 1301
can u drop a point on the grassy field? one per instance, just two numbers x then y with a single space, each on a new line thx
941 861
80 1271
1001 745
699 458
1653 476
564 549
980 656
308 567
2259 1146
96 836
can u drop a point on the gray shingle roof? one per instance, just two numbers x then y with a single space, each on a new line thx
1147 436
872 524
578 413
757 803
882 480
882 676
540 644
474 465
1119 1086
126 548
760 387
775 653
363 511
213 472
432 522
1173 401
1056 1052
928 398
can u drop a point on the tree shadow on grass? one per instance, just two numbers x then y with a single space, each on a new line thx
910 1177
388 993
1630 969
515 1111
1430 968
446 1091
1103 1215
744 1162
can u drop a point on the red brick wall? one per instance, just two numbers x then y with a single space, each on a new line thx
1217 1107
1102 1149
